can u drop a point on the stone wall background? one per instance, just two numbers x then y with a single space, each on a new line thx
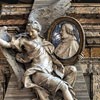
89 17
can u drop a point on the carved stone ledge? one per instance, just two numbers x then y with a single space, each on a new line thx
17 9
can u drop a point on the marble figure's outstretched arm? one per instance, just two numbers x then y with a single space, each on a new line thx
5 44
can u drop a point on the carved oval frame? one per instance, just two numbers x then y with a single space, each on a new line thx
74 58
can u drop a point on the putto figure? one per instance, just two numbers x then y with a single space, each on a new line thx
45 74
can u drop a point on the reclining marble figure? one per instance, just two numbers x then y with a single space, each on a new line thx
46 74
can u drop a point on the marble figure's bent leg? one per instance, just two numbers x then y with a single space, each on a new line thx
70 75
52 84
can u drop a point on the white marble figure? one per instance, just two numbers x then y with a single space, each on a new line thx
46 74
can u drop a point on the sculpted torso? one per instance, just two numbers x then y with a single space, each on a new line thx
40 56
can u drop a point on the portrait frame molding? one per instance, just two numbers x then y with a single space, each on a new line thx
72 60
